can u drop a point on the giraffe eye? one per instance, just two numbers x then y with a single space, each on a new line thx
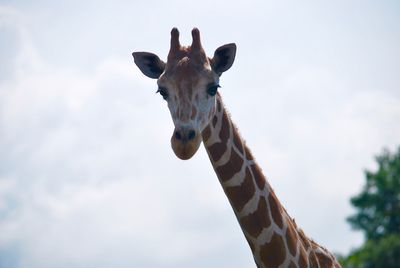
212 89
163 92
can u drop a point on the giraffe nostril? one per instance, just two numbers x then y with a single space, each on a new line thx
191 134
178 135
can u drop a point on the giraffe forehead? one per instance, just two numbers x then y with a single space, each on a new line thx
188 69
187 77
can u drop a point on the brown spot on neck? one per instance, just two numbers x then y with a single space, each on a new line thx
216 151
291 239
219 105
258 176
324 260
303 258
237 141
240 195
313 260
303 239
233 166
273 253
255 222
276 209
225 128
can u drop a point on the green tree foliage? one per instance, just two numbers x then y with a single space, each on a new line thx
378 216
383 253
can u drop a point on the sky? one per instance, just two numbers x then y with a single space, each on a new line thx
87 175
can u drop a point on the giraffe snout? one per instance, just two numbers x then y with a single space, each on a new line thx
185 141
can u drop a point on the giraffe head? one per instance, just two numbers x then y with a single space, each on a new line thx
188 81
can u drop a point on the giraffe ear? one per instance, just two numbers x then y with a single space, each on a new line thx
149 63
223 58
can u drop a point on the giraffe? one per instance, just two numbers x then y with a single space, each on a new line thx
189 82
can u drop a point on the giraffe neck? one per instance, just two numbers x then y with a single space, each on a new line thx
271 233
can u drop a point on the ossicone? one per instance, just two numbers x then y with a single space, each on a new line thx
196 43
175 45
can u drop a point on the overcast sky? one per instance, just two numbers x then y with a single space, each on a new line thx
87 175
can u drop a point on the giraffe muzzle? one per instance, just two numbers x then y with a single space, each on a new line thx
185 142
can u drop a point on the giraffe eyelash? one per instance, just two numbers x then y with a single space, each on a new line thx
163 92
212 89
